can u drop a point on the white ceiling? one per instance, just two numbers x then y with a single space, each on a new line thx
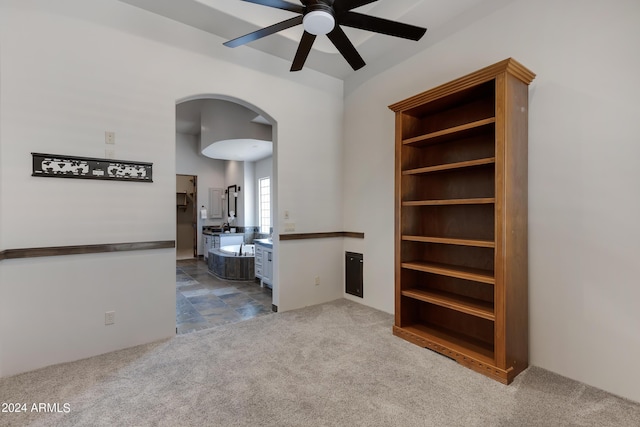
229 19
188 121
241 149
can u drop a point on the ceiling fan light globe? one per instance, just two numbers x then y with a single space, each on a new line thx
318 22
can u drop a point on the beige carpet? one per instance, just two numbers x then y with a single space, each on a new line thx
335 364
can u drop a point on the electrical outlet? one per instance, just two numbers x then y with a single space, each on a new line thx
109 317
109 137
290 226
109 153
317 280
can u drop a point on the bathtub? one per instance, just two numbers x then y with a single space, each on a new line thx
247 250
227 264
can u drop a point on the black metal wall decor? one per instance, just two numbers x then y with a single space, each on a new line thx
62 166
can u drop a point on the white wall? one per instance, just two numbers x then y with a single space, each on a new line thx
234 175
326 263
69 71
249 195
584 202
210 173
52 309
263 168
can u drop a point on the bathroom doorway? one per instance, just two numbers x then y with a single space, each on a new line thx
196 116
186 219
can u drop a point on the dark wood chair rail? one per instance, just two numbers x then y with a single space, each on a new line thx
139 246
85 249
304 236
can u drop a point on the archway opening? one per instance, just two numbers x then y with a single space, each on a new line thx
232 195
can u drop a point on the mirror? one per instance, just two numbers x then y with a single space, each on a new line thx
232 191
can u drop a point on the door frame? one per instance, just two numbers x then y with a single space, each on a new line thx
194 214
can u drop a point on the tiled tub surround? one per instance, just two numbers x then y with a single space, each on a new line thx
205 301
230 266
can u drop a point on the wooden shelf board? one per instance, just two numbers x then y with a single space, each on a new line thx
451 166
450 241
446 134
452 301
457 342
440 202
466 273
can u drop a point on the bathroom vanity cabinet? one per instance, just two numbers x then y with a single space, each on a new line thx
461 220
264 262
210 241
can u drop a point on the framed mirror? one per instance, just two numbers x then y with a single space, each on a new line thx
232 191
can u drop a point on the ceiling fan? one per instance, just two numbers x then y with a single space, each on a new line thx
320 17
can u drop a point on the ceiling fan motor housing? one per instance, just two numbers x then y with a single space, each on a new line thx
319 18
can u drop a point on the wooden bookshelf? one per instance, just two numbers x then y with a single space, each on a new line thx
461 220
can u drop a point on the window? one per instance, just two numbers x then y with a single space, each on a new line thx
264 204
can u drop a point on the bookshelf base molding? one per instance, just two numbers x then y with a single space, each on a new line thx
484 368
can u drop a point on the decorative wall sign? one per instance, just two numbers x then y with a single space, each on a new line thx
60 166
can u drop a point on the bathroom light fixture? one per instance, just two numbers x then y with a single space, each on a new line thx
319 22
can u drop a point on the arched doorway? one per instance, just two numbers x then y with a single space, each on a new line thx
244 220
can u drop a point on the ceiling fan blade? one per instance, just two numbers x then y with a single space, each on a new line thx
303 51
383 26
344 45
264 32
279 4
351 4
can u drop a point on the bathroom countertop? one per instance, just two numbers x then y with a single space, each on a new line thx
219 233
264 242
209 231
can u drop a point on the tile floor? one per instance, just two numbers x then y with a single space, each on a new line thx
205 301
